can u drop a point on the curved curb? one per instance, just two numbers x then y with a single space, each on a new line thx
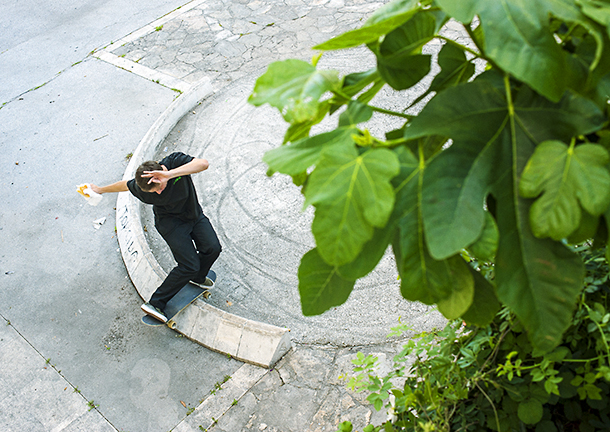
246 340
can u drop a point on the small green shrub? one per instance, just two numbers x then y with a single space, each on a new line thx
465 378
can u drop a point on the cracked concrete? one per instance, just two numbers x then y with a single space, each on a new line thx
303 393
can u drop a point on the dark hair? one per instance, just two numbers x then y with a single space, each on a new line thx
142 182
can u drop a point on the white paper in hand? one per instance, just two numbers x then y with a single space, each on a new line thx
93 198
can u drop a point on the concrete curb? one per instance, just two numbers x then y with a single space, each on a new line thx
150 74
246 340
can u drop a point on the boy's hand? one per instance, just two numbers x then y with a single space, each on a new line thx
157 176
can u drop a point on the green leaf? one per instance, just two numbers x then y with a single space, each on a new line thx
485 304
598 88
382 21
544 120
571 13
546 426
539 279
587 229
455 187
598 11
592 391
607 225
422 277
356 82
530 411
458 179
399 59
374 249
370 255
462 10
516 32
352 194
356 112
368 95
410 37
551 387
297 131
346 426
431 145
566 179
455 68
296 158
294 87
461 296
453 112
404 72
320 285
486 246
558 354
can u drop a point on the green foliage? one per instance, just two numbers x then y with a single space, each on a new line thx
566 179
467 378
507 167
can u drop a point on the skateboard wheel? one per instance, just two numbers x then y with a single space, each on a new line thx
172 324
207 295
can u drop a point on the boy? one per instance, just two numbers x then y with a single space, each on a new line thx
168 186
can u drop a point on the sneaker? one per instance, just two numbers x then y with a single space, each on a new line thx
154 312
209 283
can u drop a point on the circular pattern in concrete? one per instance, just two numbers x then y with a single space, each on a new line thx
264 231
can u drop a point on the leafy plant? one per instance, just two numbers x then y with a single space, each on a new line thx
468 378
218 385
92 405
507 166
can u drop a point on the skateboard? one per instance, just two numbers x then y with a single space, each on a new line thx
187 295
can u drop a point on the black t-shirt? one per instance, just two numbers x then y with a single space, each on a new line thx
177 201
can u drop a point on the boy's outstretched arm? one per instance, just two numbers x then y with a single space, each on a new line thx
193 167
120 186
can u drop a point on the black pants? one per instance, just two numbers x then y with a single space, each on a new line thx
195 247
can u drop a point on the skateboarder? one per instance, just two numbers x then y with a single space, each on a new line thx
168 186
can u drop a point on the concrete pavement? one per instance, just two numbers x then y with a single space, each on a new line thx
65 292
64 288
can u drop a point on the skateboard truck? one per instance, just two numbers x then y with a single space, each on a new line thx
172 324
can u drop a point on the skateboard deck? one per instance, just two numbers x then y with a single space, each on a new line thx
187 295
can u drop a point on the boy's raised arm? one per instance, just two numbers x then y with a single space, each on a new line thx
195 166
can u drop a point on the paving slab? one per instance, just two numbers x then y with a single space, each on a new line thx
35 395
